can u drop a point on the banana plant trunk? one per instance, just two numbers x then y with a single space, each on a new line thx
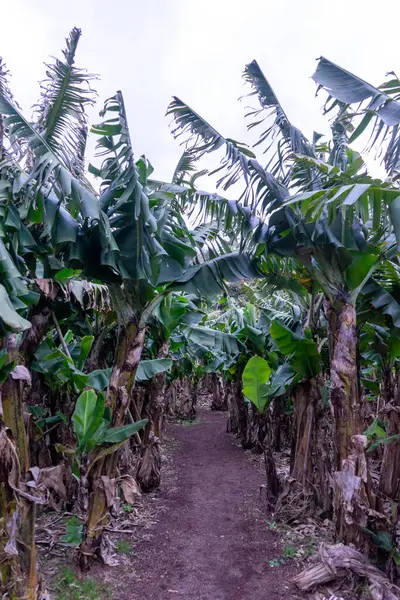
352 492
149 468
306 492
18 563
306 397
345 396
389 483
128 353
218 393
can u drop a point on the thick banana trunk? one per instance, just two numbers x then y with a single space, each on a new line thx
305 403
345 395
307 492
149 468
389 482
129 351
18 568
352 490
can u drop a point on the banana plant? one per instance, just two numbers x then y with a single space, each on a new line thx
339 228
95 439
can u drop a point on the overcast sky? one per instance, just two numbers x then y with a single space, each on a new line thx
196 49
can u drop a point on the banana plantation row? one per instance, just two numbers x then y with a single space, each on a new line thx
124 298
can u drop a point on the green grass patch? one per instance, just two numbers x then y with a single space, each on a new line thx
123 547
189 422
68 586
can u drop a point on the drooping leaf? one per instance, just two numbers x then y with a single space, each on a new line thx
148 368
8 315
120 434
350 89
305 358
99 379
202 138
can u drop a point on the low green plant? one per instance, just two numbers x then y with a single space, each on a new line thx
123 547
290 552
68 586
276 562
384 541
95 436
189 422
74 532
127 508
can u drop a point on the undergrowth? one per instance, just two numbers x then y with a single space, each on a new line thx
68 586
296 546
123 547
188 422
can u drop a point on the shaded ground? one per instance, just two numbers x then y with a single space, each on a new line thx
211 542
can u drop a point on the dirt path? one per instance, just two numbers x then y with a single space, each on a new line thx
212 542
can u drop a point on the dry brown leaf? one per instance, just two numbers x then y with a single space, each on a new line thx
107 553
22 373
48 287
130 489
109 487
52 479
10 549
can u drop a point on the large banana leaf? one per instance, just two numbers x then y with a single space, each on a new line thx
149 234
292 140
208 278
305 358
62 202
14 294
61 117
88 415
214 340
382 108
201 138
9 318
382 300
148 368
255 377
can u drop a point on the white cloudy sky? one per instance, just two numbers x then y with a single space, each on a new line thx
196 49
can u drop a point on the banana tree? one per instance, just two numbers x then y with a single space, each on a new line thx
173 310
155 249
340 230
37 229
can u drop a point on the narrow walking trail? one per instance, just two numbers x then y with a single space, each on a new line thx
212 542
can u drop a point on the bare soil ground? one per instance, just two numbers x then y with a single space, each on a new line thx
211 541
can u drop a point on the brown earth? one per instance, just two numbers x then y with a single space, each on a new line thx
212 542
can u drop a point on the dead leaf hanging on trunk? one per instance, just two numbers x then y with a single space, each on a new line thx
130 489
10 549
107 553
109 486
49 479
22 373
352 497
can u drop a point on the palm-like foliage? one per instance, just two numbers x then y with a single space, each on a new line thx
379 106
196 129
291 138
61 113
